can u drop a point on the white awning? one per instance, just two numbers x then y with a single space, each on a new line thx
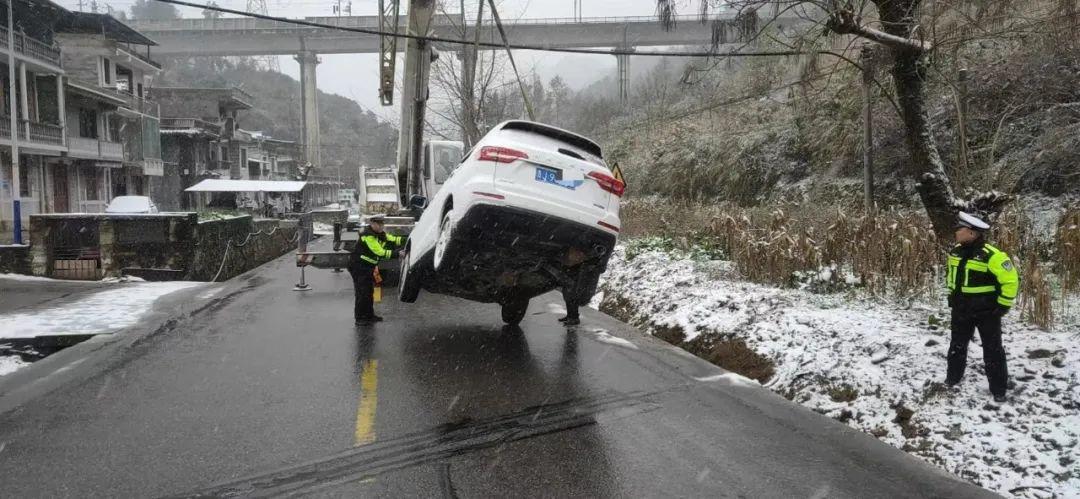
222 185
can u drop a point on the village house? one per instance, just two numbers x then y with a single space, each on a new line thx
202 139
108 64
39 108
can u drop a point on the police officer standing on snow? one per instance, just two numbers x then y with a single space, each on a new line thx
982 283
374 246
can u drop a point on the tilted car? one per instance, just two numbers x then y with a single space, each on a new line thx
530 209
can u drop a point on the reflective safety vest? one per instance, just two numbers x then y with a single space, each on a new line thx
981 276
374 247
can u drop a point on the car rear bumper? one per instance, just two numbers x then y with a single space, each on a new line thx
531 237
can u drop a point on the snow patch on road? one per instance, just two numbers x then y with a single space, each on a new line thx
603 336
102 312
878 366
555 308
210 293
10 364
25 278
732 378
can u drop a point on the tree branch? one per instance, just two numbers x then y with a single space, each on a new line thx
846 22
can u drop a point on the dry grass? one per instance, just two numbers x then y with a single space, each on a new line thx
1068 250
771 246
1036 297
892 253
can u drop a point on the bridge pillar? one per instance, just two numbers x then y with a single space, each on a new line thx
623 67
309 106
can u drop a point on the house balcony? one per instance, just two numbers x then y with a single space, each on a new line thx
190 126
39 133
85 148
32 49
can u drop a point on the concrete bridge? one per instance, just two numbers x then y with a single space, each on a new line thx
250 36
258 37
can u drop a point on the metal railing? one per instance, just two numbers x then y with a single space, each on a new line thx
140 57
46 134
32 47
41 133
189 123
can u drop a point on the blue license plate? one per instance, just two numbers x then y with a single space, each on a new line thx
547 176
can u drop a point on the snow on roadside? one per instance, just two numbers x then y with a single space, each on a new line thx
877 367
10 364
101 312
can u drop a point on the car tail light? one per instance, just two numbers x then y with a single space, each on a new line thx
609 183
501 154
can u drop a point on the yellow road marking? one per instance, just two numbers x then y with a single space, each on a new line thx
369 399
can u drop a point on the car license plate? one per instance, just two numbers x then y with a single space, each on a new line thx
547 175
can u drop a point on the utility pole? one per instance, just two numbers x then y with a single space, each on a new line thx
16 189
868 127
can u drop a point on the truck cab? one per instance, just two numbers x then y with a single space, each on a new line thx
440 159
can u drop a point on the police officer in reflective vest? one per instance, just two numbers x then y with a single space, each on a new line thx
374 246
982 283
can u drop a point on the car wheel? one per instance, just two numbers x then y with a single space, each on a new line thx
410 281
443 258
513 312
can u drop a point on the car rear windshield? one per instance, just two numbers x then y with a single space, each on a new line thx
560 135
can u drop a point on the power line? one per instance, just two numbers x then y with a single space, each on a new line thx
492 45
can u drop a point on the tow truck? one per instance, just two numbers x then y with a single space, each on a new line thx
399 191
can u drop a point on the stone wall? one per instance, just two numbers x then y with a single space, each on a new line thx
160 241
158 247
14 259
253 243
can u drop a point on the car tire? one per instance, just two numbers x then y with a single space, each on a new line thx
443 257
410 281
513 312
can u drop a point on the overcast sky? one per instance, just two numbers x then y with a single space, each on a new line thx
356 76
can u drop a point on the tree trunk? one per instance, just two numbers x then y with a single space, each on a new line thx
933 185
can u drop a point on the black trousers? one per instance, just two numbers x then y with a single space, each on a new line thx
571 305
363 278
989 326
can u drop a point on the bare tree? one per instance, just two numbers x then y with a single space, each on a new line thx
472 89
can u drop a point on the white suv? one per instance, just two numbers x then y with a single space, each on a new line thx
530 209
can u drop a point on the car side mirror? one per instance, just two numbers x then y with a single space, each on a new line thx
418 202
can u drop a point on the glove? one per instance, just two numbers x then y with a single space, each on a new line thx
1000 311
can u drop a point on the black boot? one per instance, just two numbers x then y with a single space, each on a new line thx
368 320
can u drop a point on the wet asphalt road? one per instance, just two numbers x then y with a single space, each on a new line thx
267 392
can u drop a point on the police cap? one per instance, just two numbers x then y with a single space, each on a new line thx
965 219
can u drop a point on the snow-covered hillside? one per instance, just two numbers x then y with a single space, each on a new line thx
878 367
